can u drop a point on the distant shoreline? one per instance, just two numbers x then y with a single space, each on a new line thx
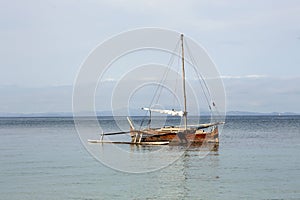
68 115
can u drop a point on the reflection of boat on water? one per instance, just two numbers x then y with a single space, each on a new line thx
173 135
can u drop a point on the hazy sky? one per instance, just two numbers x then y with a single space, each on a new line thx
255 45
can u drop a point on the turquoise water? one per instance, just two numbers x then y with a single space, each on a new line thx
258 158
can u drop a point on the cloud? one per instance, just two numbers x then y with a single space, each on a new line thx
211 15
109 80
269 94
35 100
244 93
44 44
251 76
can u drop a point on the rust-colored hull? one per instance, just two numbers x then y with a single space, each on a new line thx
175 138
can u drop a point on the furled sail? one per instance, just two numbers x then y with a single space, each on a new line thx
169 112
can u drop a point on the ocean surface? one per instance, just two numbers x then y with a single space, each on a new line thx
44 158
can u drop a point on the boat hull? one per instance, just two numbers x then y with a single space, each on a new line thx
176 138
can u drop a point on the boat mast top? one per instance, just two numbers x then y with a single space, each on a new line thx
183 85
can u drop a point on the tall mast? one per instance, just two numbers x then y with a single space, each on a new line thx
183 85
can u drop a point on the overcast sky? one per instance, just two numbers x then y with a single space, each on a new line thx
255 45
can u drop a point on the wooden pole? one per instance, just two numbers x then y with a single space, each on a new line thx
183 85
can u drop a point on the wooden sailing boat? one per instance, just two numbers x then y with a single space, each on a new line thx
174 135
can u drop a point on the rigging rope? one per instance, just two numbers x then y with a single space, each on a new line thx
194 62
200 78
158 90
176 81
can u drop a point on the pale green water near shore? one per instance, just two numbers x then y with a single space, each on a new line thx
258 158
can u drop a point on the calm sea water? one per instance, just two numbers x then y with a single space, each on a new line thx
258 158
